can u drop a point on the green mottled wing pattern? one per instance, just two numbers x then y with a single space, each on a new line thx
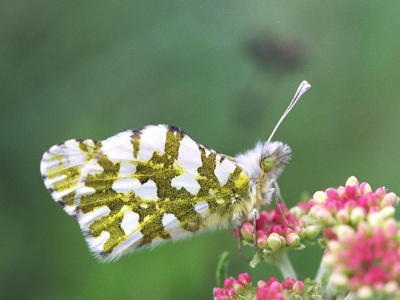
141 187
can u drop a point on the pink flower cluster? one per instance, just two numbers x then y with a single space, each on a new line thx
233 287
366 260
272 289
275 232
345 205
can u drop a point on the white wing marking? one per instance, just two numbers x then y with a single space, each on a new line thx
189 156
171 224
130 221
152 139
201 207
127 168
118 147
223 170
147 191
186 181
124 185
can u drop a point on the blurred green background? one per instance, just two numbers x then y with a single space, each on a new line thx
223 71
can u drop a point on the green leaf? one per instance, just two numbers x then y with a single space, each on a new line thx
222 268
255 260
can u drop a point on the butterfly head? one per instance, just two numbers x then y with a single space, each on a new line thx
274 157
265 160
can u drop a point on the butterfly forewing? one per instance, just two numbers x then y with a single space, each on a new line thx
142 187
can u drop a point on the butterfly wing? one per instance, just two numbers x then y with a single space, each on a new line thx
142 187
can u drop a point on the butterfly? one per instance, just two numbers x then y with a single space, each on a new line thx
142 187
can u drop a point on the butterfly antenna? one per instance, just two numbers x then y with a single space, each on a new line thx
301 90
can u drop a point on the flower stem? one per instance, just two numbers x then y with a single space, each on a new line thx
321 271
285 265
350 296
222 267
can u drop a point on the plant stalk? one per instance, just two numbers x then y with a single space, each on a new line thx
285 265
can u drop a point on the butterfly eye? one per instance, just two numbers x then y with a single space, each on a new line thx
268 164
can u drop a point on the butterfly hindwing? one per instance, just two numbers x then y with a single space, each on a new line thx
142 187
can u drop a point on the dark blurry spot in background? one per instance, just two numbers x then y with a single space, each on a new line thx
270 52
276 58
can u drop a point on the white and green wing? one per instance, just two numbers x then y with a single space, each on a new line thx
141 187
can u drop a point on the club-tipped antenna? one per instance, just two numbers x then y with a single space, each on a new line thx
301 90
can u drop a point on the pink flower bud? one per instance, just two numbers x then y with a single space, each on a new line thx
244 278
262 294
228 283
247 232
298 286
364 228
288 283
218 292
396 269
262 241
261 232
341 190
276 229
381 192
234 233
231 293
261 284
293 240
332 193
276 287
365 188
350 191
390 228
389 200
236 284
271 280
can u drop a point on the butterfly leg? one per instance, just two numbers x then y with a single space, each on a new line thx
240 245
279 201
254 214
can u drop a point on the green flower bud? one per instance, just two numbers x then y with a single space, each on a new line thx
293 240
352 181
338 280
357 215
312 231
297 211
343 231
325 217
387 212
364 292
274 241
319 197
